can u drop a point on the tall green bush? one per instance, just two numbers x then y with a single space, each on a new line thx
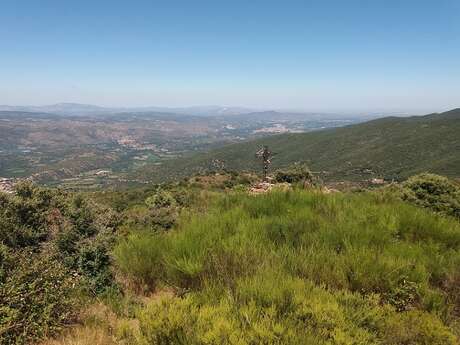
37 298
298 172
51 244
434 192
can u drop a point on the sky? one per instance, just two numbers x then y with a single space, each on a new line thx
371 55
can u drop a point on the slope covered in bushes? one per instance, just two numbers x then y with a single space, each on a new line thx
54 248
299 267
203 262
391 147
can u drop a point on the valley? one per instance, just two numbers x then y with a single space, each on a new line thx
107 148
392 148
230 172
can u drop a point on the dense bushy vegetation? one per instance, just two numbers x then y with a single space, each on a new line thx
159 208
300 268
52 246
203 262
433 191
295 173
37 297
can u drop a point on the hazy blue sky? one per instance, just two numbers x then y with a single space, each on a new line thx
328 55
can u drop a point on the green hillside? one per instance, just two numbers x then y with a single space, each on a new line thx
208 264
391 147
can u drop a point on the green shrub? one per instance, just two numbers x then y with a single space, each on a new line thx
158 211
139 257
432 191
36 299
295 173
299 267
51 243
161 199
416 328
276 309
6 262
23 217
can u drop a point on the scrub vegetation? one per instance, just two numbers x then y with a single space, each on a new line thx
202 261
297 268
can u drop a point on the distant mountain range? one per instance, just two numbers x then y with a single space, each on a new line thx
391 147
75 109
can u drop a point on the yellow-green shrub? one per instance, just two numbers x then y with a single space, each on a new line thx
300 267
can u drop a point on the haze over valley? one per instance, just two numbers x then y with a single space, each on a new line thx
83 145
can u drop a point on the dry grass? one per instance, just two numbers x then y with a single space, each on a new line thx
99 326
83 335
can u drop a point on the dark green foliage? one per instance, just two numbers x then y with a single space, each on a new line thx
36 299
404 295
163 209
23 218
85 244
295 173
50 244
434 192
161 206
5 262
392 147
93 262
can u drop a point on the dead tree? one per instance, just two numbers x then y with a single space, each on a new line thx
266 155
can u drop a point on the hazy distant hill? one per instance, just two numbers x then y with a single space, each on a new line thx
59 108
20 128
77 109
391 147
